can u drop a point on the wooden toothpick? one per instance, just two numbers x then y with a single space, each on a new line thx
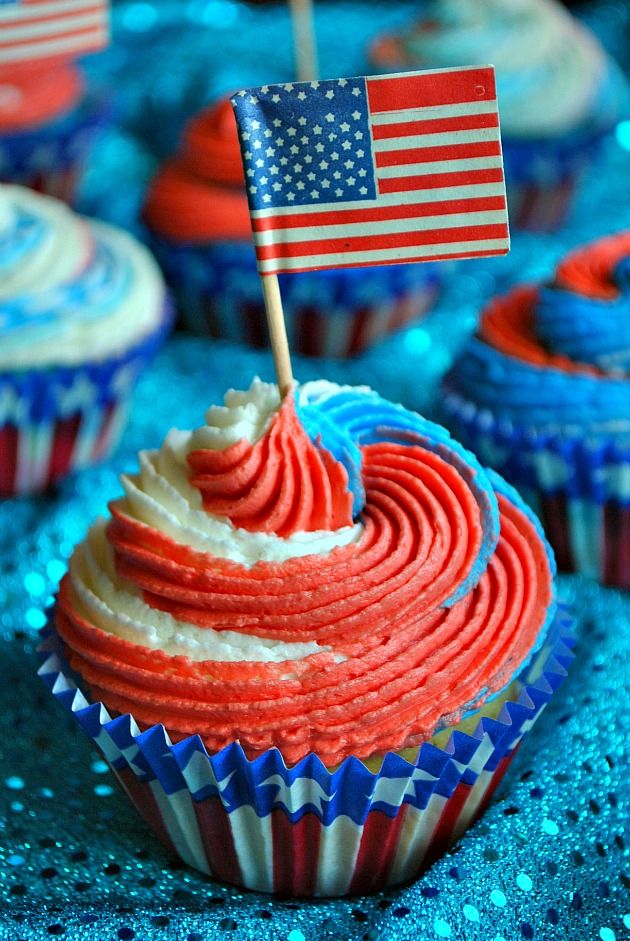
277 332
304 40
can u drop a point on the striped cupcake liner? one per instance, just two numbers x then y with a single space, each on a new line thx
337 313
57 420
49 158
579 487
307 831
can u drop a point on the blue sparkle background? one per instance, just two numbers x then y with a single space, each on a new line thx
550 859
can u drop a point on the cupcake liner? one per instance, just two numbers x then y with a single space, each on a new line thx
49 157
307 831
579 486
335 313
55 420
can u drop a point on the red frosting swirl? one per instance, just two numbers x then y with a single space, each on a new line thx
589 269
396 663
29 98
199 196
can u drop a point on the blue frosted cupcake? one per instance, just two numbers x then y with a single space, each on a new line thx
82 309
47 126
543 395
559 93
197 212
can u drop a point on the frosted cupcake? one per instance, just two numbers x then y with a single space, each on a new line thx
543 395
559 93
309 639
47 125
82 309
197 210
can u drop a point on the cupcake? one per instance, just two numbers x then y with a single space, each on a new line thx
542 394
82 309
47 126
309 639
559 92
196 209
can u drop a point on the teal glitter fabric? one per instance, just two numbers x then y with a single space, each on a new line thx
549 860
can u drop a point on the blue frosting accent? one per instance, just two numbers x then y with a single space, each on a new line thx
24 236
586 329
536 396
368 419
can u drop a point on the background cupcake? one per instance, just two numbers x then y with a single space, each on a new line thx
559 92
197 211
82 309
543 395
345 626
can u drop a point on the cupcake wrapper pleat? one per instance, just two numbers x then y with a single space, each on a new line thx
56 420
305 830
335 313
579 486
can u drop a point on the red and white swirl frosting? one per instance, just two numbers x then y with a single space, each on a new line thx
231 594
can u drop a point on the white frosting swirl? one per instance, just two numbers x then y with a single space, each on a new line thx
70 288
549 67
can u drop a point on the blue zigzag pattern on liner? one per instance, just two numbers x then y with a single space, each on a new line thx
352 789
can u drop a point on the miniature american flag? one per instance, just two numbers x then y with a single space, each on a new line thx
31 30
372 171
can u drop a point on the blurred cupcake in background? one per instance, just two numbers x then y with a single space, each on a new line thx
559 91
82 310
196 210
47 125
542 394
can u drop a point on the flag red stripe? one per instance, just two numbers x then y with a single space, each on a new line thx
450 256
378 213
429 89
45 16
385 240
96 30
431 181
466 122
395 158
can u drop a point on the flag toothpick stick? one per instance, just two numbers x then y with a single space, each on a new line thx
304 40
277 333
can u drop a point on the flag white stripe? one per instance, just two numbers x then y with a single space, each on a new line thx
439 166
441 139
412 197
33 11
431 112
280 236
419 252
52 47
54 28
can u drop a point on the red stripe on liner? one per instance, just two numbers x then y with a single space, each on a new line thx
102 439
466 122
616 545
295 853
9 438
142 797
378 213
364 243
395 158
554 517
495 780
217 840
64 440
445 829
451 87
431 181
377 850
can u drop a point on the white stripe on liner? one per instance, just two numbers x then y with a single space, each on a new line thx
35 11
339 844
53 47
439 166
54 28
253 842
341 259
407 198
181 824
453 220
478 135
434 112
416 835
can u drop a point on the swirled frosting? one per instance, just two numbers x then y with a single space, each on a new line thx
378 585
70 288
557 355
199 196
552 74
29 98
